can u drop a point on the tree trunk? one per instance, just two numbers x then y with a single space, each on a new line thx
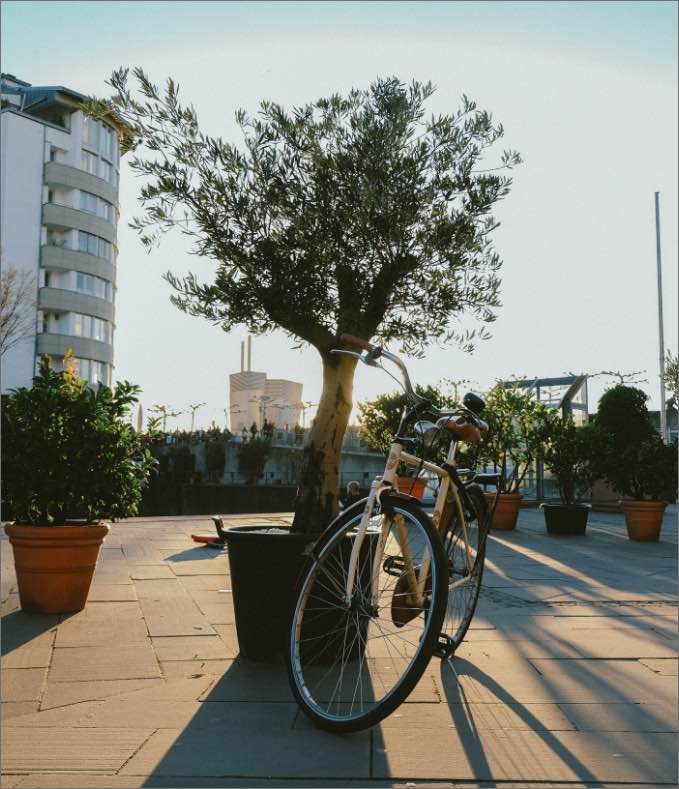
316 502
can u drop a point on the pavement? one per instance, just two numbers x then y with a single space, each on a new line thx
568 676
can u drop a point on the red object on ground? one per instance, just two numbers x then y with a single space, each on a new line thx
202 538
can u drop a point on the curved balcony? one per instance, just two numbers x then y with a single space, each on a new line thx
61 300
62 259
82 347
73 178
62 216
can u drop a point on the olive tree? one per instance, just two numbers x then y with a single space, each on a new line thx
351 214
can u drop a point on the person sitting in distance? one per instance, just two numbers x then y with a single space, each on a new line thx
352 494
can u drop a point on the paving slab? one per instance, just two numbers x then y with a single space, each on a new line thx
62 694
111 593
172 669
175 616
85 664
16 709
563 756
277 752
621 717
191 648
87 750
22 684
22 649
665 666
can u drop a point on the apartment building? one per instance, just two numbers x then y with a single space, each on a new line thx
59 217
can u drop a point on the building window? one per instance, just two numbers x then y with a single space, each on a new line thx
105 171
94 245
92 328
94 286
107 142
90 128
95 205
90 163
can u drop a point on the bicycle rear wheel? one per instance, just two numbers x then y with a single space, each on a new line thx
351 665
464 583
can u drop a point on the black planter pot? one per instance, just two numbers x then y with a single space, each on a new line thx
265 569
566 519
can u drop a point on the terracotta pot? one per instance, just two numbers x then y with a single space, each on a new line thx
55 565
643 519
506 511
417 484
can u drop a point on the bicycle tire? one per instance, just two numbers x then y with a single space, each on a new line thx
376 657
457 621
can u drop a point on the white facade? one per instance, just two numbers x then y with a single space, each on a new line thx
20 221
253 398
285 405
59 197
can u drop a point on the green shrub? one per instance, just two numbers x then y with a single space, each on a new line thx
568 452
516 423
69 451
252 457
632 456
215 452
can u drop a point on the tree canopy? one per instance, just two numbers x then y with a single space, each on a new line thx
352 213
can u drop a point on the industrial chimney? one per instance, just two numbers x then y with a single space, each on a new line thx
249 353
242 356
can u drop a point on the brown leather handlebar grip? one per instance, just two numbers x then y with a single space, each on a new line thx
349 339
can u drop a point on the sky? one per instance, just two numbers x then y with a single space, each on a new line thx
587 92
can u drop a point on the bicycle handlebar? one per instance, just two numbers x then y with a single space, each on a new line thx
375 352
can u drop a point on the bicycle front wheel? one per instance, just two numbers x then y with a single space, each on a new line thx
351 664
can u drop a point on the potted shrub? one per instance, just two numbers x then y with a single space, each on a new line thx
379 420
516 421
70 459
634 459
567 453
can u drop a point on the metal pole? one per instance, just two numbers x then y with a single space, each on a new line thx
661 338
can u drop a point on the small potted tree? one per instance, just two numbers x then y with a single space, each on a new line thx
635 460
70 459
567 453
379 420
356 213
516 422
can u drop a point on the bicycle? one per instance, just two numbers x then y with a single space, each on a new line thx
387 586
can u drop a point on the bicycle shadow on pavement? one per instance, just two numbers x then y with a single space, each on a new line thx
248 726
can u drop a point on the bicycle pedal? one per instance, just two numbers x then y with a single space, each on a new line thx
445 647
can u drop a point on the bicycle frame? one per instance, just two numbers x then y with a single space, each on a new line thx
387 482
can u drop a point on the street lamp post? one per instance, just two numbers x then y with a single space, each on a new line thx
661 338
